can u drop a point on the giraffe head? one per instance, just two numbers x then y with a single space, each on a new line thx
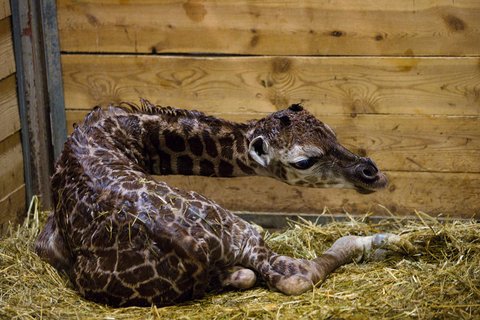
295 147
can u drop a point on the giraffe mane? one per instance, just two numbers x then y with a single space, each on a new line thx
146 107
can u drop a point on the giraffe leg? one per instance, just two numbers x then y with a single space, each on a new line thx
239 277
296 276
286 275
357 248
350 249
51 247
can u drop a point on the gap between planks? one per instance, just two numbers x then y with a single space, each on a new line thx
281 220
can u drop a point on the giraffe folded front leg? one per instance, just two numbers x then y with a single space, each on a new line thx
239 277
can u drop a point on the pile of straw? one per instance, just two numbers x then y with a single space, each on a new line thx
441 281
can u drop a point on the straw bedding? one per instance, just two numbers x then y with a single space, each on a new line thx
442 280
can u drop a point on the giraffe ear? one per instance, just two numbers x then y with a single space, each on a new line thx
259 151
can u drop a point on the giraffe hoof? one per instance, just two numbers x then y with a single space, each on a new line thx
392 242
294 285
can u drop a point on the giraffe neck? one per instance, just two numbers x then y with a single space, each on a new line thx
191 143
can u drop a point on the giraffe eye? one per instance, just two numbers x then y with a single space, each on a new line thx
304 164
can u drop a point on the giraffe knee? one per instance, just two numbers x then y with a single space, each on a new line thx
242 279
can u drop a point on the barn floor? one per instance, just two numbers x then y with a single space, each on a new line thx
441 281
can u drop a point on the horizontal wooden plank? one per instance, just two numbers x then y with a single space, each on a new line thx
451 194
11 164
9 117
281 220
7 67
4 9
12 208
413 143
264 84
347 27
399 142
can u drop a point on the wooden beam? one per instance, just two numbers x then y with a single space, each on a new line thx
53 74
347 27
400 142
437 86
40 89
8 107
450 194
33 102
7 66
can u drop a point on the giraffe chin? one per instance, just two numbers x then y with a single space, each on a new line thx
364 190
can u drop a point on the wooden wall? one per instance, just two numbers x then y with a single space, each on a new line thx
12 186
398 80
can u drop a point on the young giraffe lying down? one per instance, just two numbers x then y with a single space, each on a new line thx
125 239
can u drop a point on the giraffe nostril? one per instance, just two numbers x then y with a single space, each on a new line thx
372 166
368 172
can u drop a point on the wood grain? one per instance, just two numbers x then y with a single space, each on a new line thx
11 164
449 86
12 208
347 27
10 121
417 117
7 66
453 194
401 142
4 9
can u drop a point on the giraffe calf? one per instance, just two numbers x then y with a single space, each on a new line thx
124 238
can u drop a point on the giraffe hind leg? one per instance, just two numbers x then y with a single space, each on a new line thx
350 249
285 274
51 247
292 283
379 246
367 248
296 276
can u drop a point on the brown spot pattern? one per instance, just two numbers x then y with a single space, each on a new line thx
196 145
174 141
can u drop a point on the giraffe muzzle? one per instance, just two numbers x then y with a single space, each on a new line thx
369 177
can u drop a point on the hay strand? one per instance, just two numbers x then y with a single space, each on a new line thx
441 281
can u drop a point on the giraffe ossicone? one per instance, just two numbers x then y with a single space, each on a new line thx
124 238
